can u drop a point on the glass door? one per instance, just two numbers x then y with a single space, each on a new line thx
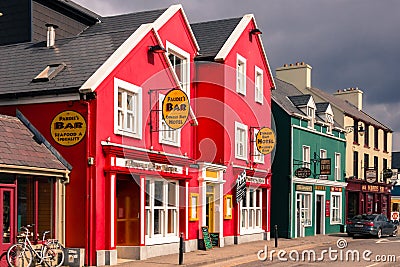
6 221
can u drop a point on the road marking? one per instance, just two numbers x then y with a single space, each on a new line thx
384 241
373 264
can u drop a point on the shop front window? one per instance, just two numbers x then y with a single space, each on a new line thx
251 211
336 208
161 210
304 208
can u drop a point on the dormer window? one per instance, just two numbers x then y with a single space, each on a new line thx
329 121
311 116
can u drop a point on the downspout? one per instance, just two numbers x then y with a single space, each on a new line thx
291 182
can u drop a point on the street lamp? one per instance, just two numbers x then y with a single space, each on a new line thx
360 129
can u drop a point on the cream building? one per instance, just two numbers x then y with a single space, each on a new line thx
368 142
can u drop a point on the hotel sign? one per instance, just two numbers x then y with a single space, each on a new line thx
68 128
148 166
325 167
175 109
370 175
265 140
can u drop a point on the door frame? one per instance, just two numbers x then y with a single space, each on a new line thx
13 215
323 194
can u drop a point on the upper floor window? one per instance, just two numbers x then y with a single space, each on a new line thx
241 74
240 141
306 157
355 164
366 135
385 141
355 133
128 109
180 60
366 163
311 116
258 84
376 138
337 167
323 154
167 135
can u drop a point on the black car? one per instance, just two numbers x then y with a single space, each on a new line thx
371 224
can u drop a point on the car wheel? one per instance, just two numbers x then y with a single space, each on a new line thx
379 233
394 233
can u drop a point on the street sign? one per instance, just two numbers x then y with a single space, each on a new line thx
303 172
240 186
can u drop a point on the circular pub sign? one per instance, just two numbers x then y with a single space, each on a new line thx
175 109
68 128
265 140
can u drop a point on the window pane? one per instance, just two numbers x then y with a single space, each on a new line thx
157 221
258 218
148 221
148 193
172 194
251 198
158 193
258 195
244 217
6 216
119 99
171 221
45 210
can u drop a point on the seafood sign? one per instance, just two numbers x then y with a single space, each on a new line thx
175 109
68 128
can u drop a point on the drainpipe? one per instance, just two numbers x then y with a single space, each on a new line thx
291 184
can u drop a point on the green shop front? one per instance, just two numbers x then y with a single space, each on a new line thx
308 185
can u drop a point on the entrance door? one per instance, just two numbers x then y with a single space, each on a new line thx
210 208
319 218
128 211
6 221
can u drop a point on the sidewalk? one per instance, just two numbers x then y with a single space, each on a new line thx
239 253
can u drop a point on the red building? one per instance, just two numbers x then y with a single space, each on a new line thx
135 184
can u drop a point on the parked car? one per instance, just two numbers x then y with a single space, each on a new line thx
371 224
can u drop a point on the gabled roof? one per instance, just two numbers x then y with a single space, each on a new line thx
300 100
19 150
212 35
348 109
322 107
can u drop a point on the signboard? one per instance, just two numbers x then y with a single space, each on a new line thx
68 128
387 173
305 188
394 215
325 167
320 187
206 238
255 180
303 172
240 186
370 175
336 189
148 166
327 208
175 109
265 140
214 239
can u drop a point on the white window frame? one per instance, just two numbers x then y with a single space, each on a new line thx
329 121
251 217
306 154
257 156
311 116
258 85
241 74
337 166
336 208
185 67
166 135
128 89
323 154
238 140
306 209
164 236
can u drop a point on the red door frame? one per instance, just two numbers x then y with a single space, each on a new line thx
12 209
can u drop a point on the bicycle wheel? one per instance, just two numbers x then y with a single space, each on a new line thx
18 255
54 254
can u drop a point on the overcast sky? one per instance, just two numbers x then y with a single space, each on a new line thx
349 43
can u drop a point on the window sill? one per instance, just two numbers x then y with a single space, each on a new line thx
356 143
335 223
241 158
376 149
128 133
367 146
244 231
169 143
385 151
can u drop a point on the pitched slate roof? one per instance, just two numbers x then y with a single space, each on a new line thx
348 108
299 100
17 147
212 35
78 8
82 56
126 21
321 107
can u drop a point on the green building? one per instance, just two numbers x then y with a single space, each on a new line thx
308 188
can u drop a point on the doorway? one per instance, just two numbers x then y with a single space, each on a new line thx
7 207
210 198
320 214
128 211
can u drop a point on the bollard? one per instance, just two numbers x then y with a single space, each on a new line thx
276 235
181 249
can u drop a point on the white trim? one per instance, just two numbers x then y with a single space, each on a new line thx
340 195
134 90
306 157
40 99
258 157
310 208
186 209
116 58
243 127
142 209
162 133
243 76
112 213
339 166
323 151
168 14
318 182
323 211
258 71
251 229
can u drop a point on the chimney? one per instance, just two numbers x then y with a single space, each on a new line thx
352 95
51 34
298 74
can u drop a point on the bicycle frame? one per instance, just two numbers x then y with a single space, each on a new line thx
38 254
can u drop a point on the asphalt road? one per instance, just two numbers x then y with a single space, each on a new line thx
355 252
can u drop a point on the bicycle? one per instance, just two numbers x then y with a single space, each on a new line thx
50 252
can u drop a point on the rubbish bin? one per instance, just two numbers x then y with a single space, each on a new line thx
74 257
